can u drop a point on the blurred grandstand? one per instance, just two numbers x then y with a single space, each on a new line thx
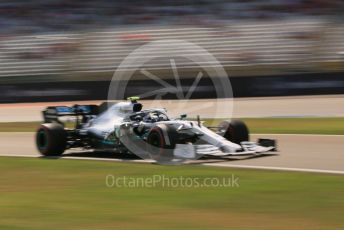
84 39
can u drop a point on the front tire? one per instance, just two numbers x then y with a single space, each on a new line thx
235 131
161 141
51 139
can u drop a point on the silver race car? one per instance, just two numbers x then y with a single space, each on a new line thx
149 133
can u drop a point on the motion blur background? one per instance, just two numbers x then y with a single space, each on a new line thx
268 48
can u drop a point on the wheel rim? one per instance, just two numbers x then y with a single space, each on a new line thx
42 140
155 145
155 140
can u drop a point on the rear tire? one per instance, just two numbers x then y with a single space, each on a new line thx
235 131
51 139
161 141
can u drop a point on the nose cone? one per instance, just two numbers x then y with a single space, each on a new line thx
229 147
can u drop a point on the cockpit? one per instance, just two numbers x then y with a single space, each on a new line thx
149 116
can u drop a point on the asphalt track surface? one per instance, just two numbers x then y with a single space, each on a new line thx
298 106
307 153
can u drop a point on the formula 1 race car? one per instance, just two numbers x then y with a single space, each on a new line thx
149 133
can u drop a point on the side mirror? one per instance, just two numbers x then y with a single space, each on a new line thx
183 116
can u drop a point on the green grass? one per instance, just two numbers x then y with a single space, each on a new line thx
292 125
256 125
21 126
18 126
70 194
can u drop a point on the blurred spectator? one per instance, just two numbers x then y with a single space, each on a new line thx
32 16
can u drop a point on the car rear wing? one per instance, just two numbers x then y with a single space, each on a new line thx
52 113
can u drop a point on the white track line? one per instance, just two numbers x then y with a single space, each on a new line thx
275 168
108 159
80 158
301 134
19 155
